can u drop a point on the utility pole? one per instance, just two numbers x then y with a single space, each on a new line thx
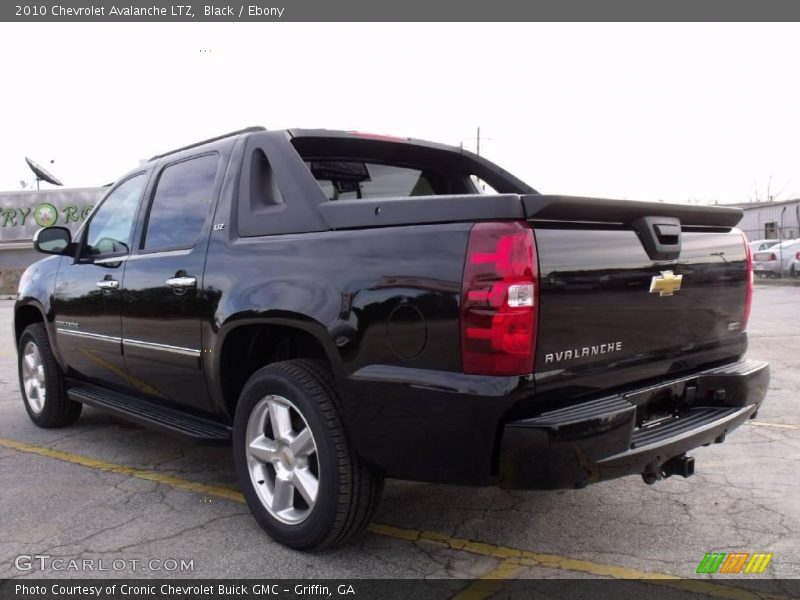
780 246
477 139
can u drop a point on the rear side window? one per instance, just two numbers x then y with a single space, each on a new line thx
181 203
348 180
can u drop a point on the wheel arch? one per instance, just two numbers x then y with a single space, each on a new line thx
26 314
245 344
31 311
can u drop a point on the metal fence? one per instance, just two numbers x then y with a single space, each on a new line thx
778 233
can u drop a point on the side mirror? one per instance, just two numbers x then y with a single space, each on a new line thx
52 240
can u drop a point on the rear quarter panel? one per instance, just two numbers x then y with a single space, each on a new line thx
352 284
387 303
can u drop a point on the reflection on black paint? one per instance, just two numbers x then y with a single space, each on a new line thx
602 295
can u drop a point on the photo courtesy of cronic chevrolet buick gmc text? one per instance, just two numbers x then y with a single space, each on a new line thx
345 307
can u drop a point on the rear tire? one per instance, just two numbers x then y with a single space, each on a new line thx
302 480
42 382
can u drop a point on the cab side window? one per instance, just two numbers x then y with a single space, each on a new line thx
181 203
111 227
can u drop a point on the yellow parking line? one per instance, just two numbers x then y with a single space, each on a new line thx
773 425
552 561
492 581
512 559
93 463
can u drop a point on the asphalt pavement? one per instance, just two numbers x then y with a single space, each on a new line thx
110 499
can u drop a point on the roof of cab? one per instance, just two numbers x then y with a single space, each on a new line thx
208 141
297 133
316 133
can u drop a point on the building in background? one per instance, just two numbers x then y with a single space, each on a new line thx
24 212
770 220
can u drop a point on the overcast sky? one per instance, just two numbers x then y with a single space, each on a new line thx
640 111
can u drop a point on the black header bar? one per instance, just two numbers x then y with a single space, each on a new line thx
405 11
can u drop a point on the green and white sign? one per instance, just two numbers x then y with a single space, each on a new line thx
25 212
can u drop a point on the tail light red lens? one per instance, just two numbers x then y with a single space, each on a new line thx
773 257
749 297
797 256
499 300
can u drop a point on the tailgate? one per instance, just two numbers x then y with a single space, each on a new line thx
616 307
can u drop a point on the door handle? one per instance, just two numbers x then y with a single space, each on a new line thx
182 282
108 284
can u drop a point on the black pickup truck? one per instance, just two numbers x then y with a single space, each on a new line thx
344 307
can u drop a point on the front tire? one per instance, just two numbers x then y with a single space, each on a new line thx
41 381
303 482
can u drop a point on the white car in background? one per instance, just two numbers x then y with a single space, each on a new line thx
759 245
778 260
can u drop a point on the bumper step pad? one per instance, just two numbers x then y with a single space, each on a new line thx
677 425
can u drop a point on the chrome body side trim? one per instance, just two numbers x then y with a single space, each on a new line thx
94 336
132 343
162 347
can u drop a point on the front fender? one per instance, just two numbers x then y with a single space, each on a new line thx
35 290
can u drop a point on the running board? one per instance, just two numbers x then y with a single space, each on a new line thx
151 414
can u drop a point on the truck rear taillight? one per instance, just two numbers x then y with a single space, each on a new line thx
749 296
499 300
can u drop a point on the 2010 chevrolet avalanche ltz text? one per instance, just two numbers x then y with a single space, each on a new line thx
344 307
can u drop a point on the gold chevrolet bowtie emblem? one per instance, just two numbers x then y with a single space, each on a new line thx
665 284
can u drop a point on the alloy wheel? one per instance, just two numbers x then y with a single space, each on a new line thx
282 459
33 378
